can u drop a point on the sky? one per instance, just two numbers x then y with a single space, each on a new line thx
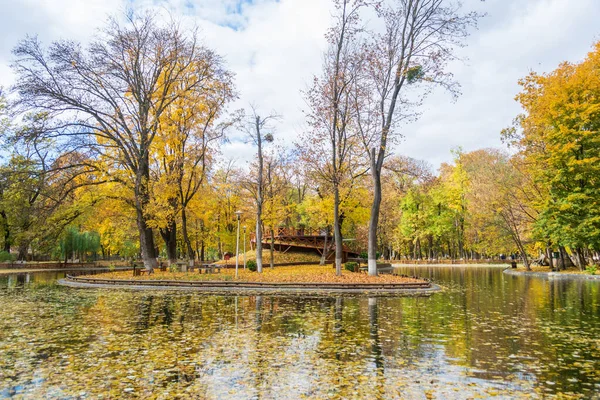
275 47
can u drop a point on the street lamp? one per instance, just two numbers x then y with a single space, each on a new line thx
244 247
237 246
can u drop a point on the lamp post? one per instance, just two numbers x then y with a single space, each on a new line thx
244 247
237 246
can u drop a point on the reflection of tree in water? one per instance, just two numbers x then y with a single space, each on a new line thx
165 314
185 310
258 314
143 313
338 327
376 348
260 363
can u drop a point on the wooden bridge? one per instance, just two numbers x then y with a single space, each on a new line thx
299 239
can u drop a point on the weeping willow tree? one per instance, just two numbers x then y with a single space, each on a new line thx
79 245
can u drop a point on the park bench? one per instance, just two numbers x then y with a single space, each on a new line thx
182 266
209 268
139 268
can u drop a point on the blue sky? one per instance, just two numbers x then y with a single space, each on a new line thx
275 47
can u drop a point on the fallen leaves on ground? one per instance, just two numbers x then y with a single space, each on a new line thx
293 274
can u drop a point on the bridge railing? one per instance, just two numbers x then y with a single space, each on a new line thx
294 232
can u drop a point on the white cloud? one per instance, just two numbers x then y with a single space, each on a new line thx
275 47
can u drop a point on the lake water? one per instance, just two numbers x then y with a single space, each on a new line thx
486 334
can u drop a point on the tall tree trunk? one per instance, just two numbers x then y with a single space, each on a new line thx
142 198
259 247
219 243
374 219
200 250
186 238
337 231
169 235
6 229
146 242
549 255
579 258
461 244
564 258
272 249
414 249
430 247
23 250
325 249
514 231
259 199
386 252
524 257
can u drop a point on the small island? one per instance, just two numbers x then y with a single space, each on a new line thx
294 278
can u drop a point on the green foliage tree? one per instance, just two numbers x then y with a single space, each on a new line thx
79 245
558 136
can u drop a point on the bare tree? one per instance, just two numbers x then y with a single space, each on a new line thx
110 96
276 187
327 148
260 131
418 41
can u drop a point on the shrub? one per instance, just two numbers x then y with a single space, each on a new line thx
351 266
365 255
6 256
251 265
592 269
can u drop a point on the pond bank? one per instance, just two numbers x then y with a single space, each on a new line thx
553 275
12 271
401 265
230 287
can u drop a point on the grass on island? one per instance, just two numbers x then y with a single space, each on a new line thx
292 274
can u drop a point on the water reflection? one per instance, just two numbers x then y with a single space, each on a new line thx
486 334
22 279
376 347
